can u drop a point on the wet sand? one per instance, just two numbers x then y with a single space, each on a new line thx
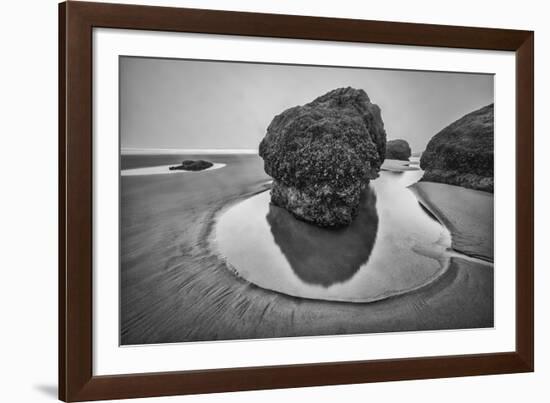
398 166
175 286
467 213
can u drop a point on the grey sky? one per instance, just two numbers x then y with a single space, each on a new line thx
214 105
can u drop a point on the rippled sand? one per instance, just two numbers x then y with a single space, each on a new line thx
175 287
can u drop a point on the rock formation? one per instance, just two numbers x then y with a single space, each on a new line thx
192 165
322 155
462 153
398 150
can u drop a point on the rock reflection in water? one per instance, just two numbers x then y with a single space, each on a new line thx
323 256
392 246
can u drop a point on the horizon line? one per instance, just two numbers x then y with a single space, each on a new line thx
138 150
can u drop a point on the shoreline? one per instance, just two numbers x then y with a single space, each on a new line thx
176 288
398 166
467 213
214 249
165 170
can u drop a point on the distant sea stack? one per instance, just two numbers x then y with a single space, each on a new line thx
398 150
322 155
192 165
462 153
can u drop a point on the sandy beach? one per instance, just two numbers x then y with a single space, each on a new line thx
175 287
467 213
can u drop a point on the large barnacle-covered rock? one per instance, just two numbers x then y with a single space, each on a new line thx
462 154
322 155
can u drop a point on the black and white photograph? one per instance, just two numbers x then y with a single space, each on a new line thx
266 200
275 201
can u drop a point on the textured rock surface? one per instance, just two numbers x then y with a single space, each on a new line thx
398 150
462 153
192 165
322 155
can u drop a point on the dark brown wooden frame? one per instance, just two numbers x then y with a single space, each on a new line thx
76 22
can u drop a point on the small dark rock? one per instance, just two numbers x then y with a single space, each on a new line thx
192 165
462 153
322 155
398 150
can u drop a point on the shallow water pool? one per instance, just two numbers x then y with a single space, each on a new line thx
393 246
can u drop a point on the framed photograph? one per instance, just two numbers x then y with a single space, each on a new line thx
252 201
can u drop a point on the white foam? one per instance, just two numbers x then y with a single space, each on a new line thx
163 170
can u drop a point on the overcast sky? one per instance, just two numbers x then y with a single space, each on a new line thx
214 105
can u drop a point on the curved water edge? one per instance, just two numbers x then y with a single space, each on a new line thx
393 247
470 230
165 170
